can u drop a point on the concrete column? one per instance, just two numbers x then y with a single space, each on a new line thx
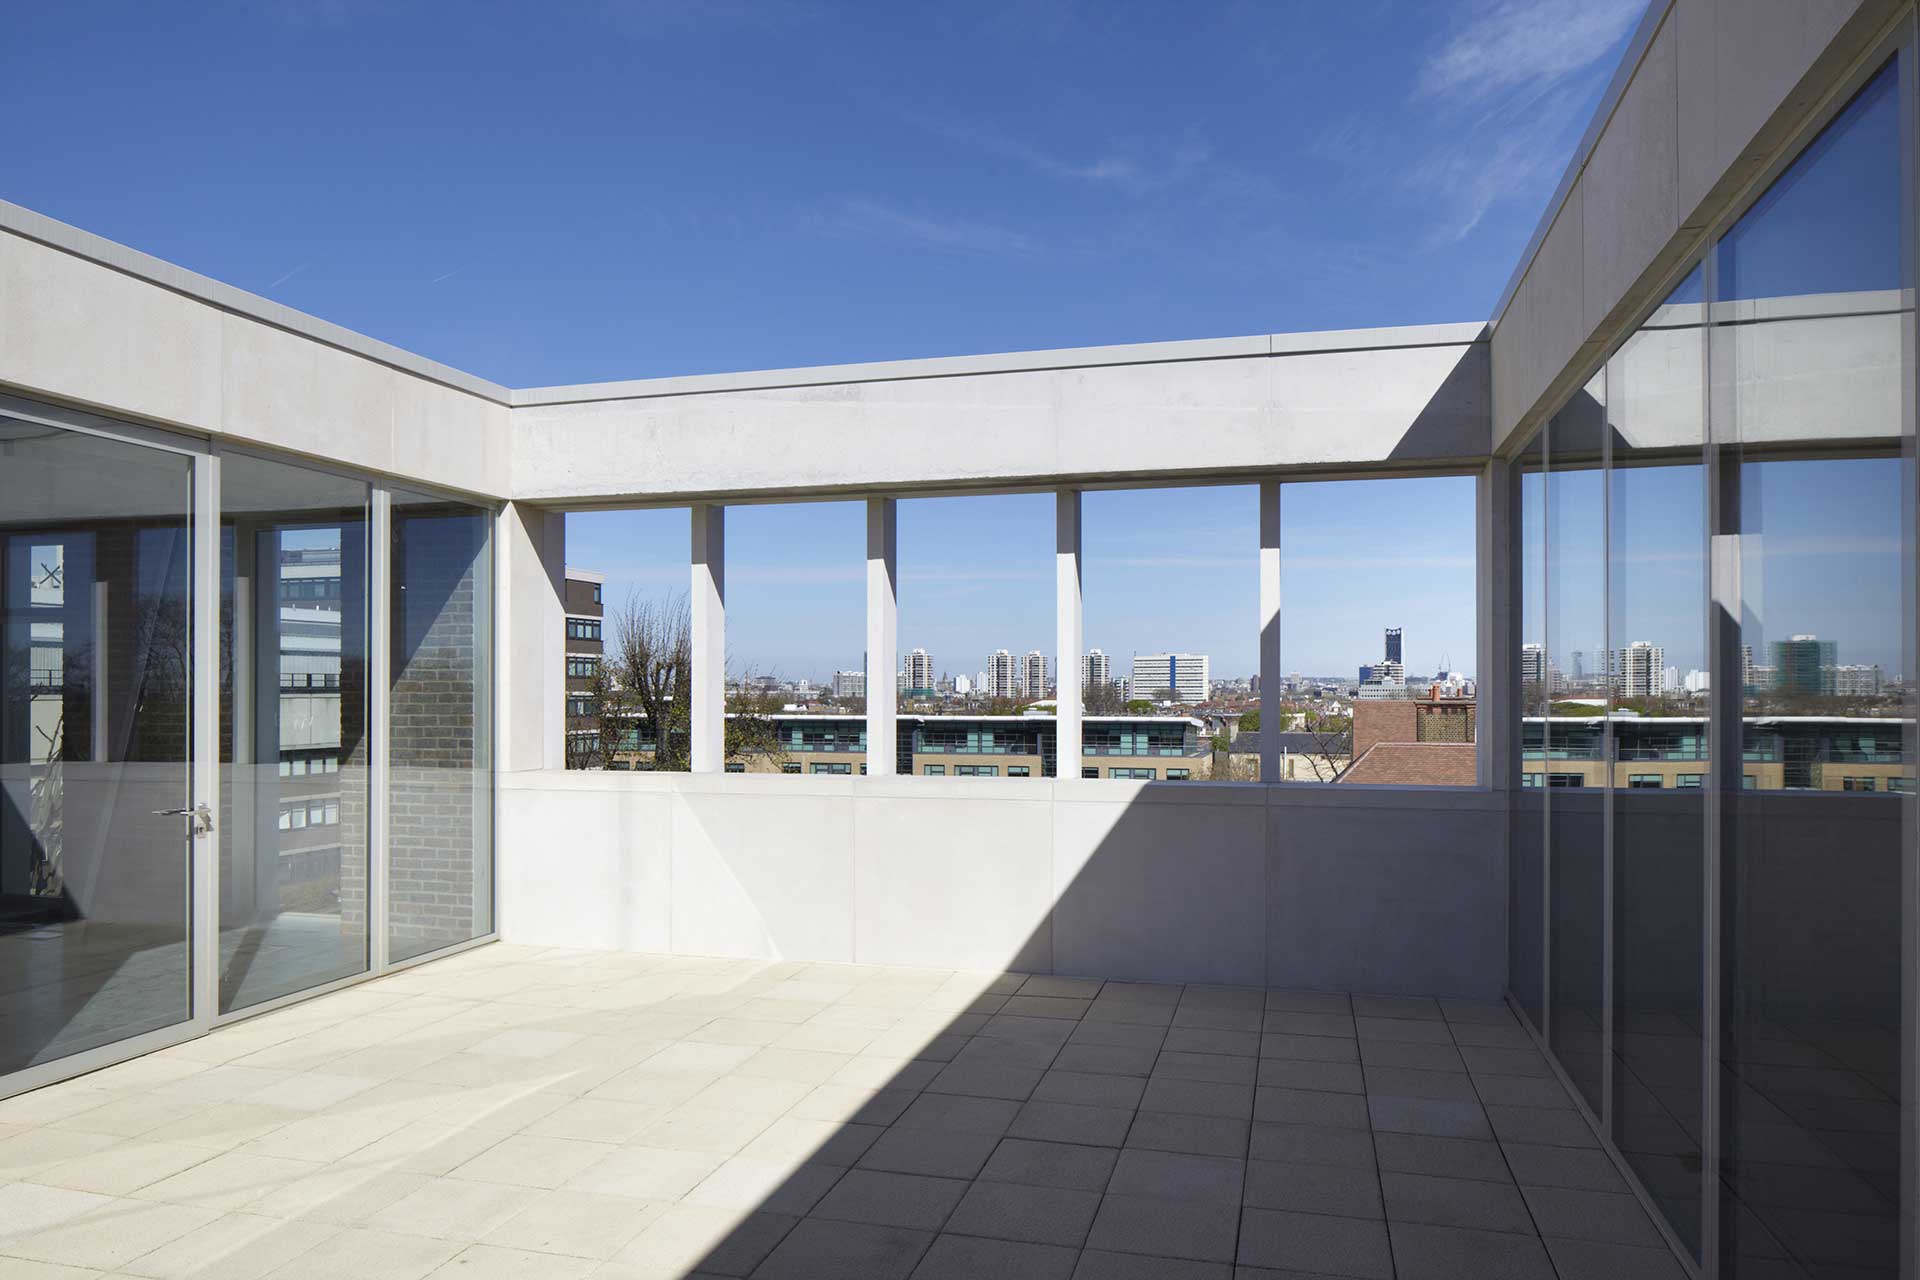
1495 671
1069 698
530 630
1270 631
709 730
883 633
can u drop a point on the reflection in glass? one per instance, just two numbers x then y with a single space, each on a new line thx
293 742
1656 592
94 556
1527 834
1810 330
1578 682
440 780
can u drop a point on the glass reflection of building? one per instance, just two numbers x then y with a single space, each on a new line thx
1707 880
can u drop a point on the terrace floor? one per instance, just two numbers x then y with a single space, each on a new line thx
521 1112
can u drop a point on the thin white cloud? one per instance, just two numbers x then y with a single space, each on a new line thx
1517 44
1505 91
288 276
1122 167
862 218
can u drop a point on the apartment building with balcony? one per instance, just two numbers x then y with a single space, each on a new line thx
1551 1019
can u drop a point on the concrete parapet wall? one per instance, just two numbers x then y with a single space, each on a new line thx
1399 890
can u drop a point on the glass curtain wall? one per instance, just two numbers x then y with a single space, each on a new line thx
1808 419
295 750
1578 688
1527 836
1715 711
439 724
1661 750
95 542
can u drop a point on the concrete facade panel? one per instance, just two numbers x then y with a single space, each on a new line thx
81 332
1144 889
1399 902
584 867
450 438
770 877
1371 889
979 900
1556 303
1629 204
288 392
1379 404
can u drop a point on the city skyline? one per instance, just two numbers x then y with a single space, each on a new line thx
1163 570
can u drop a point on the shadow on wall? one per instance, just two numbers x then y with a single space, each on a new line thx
1457 419
1234 887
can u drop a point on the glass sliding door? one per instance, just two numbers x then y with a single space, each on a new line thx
96 541
1656 597
294 742
440 717
1580 679
1527 834
1811 326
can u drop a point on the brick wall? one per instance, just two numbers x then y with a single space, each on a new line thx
1382 722
440 838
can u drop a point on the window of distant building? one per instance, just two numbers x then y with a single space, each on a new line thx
1136 775
935 771
833 767
977 770
1645 781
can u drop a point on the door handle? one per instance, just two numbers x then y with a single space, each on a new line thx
202 819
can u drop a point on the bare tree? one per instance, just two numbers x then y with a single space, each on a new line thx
1103 698
1332 743
646 677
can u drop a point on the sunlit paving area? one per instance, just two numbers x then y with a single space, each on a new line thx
1024 675
516 1111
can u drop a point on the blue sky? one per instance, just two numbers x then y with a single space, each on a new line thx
628 188
623 188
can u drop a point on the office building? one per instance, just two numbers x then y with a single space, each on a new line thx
1803 666
1392 652
1095 669
918 670
1033 676
584 649
849 684
1175 677
1639 670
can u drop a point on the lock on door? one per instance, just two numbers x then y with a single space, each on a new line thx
202 819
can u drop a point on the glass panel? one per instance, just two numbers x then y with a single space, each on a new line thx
1579 691
1657 593
977 619
1526 860
796 637
440 726
1170 578
1378 644
1811 333
94 885
293 729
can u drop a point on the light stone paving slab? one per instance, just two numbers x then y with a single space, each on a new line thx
537 1112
